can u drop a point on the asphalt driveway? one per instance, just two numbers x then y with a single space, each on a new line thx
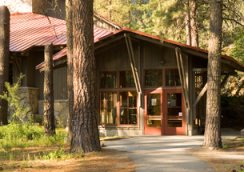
162 153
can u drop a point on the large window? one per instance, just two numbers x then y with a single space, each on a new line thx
118 98
126 79
153 78
108 80
108 108
128 107
172 78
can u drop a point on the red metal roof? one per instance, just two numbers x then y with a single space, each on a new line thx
63 52
28 30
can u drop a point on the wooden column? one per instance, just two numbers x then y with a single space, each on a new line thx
132 63
4 59
49 119
184 84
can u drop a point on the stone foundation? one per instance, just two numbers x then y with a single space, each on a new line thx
119 131
61 111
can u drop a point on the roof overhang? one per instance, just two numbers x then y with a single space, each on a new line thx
111 38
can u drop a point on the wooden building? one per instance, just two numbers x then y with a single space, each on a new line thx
146 86
151 86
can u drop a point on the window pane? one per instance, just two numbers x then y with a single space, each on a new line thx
108 108
128 107
174 110
153 123
172 77
153 78
153 104
126 79
108 80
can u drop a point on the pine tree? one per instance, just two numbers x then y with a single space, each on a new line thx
85 135
4 59
49 119
212 135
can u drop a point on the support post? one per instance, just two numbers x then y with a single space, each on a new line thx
202 92
49 119
132 63
4 59
181 70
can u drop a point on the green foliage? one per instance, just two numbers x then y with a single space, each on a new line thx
167 19
238 50
19 112
24 135
60 154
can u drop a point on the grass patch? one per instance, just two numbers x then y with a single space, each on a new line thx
235 143
29 142
26 135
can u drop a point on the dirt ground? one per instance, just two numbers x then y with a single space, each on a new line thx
104 161
229 159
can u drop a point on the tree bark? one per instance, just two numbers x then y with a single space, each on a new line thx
188 23
69 36
212 136
193 23
4 60
192 38
49 119
85 135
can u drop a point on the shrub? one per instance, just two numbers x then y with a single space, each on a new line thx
24 135
19 112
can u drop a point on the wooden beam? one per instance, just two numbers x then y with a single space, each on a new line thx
181 71
202 92
111 40
132 63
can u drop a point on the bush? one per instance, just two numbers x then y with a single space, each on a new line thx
24 135
19 112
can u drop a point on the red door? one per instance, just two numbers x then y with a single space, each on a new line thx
174 112
153 116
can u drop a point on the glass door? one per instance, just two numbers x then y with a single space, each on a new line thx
153 113
174 113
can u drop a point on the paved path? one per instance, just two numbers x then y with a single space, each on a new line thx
162 153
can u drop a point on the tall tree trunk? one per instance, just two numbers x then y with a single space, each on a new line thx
49 119
188 23
4 59
192 38
85 135
212 136
69 36
193 23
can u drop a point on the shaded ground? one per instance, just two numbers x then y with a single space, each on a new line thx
162 153
225 160
144 153
105 161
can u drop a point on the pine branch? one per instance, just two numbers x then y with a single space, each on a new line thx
233 20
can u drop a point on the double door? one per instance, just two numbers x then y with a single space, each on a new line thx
164 112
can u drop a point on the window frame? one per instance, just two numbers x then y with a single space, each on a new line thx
117 90
165 72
